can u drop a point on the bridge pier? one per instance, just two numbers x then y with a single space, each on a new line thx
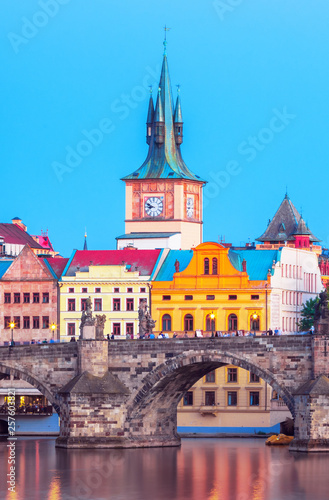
311 416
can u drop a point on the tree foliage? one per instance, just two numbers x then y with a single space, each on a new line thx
307 315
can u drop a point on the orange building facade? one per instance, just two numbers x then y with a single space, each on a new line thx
212 293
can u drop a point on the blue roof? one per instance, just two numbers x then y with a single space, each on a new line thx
4 264
136 236
167 270
258 261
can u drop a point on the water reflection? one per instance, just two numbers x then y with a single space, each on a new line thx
202 469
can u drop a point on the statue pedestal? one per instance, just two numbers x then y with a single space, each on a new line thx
88 332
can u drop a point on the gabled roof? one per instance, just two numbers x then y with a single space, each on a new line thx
16 236
164 161
284 224
86 383
135 260
27 266
56 265
319 386
167 270
258 262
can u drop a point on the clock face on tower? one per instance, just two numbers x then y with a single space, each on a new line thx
153 206
189 207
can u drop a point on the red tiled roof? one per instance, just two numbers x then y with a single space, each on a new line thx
44 241
57 264
138 260
15 235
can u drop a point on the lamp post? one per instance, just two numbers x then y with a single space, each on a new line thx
12 326
212 317
53 327
254 317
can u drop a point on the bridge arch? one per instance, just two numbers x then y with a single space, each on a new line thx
31 379
157 397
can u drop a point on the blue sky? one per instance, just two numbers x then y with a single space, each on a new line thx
254 84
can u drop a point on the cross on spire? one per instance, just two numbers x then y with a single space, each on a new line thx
165 39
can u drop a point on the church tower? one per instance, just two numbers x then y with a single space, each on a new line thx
163 197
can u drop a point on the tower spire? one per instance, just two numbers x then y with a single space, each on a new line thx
165 40
85 247
150 117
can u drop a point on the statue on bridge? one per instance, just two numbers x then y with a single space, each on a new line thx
87 325
321 314
146 323
100 323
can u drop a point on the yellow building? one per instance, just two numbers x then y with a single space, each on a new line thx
229 400
211 288
115 280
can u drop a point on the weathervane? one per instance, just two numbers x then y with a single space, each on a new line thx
165 39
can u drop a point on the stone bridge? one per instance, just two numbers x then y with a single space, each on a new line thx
125 393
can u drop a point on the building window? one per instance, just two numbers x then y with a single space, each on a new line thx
17 298
188 398
255 297
129 290
206 265
130 304
26 298
130 329
142 290
166 323
71 305
7 298
36 322
188 322
210 377
45 321
84 290
210 398
71 329
188 297
116 328
7 321
283 297
210 297
232 398
45 298
17 321
71 290
116 290
214 266
97 304
83 304
232 375
97 290
254 398
232 322
36 298
232 297
254 377
26 322
116 305
166 297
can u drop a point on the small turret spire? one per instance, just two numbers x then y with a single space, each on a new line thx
85 242
150 117
178 119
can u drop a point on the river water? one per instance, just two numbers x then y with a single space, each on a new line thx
202 469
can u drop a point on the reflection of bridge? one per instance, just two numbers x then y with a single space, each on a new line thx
125 393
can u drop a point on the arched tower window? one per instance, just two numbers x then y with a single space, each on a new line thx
232 322
206 265
166 323
188 323
214 265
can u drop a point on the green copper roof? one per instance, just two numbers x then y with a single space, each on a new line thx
259 262
164 161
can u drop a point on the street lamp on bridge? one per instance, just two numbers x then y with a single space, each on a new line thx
12 326
212 318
